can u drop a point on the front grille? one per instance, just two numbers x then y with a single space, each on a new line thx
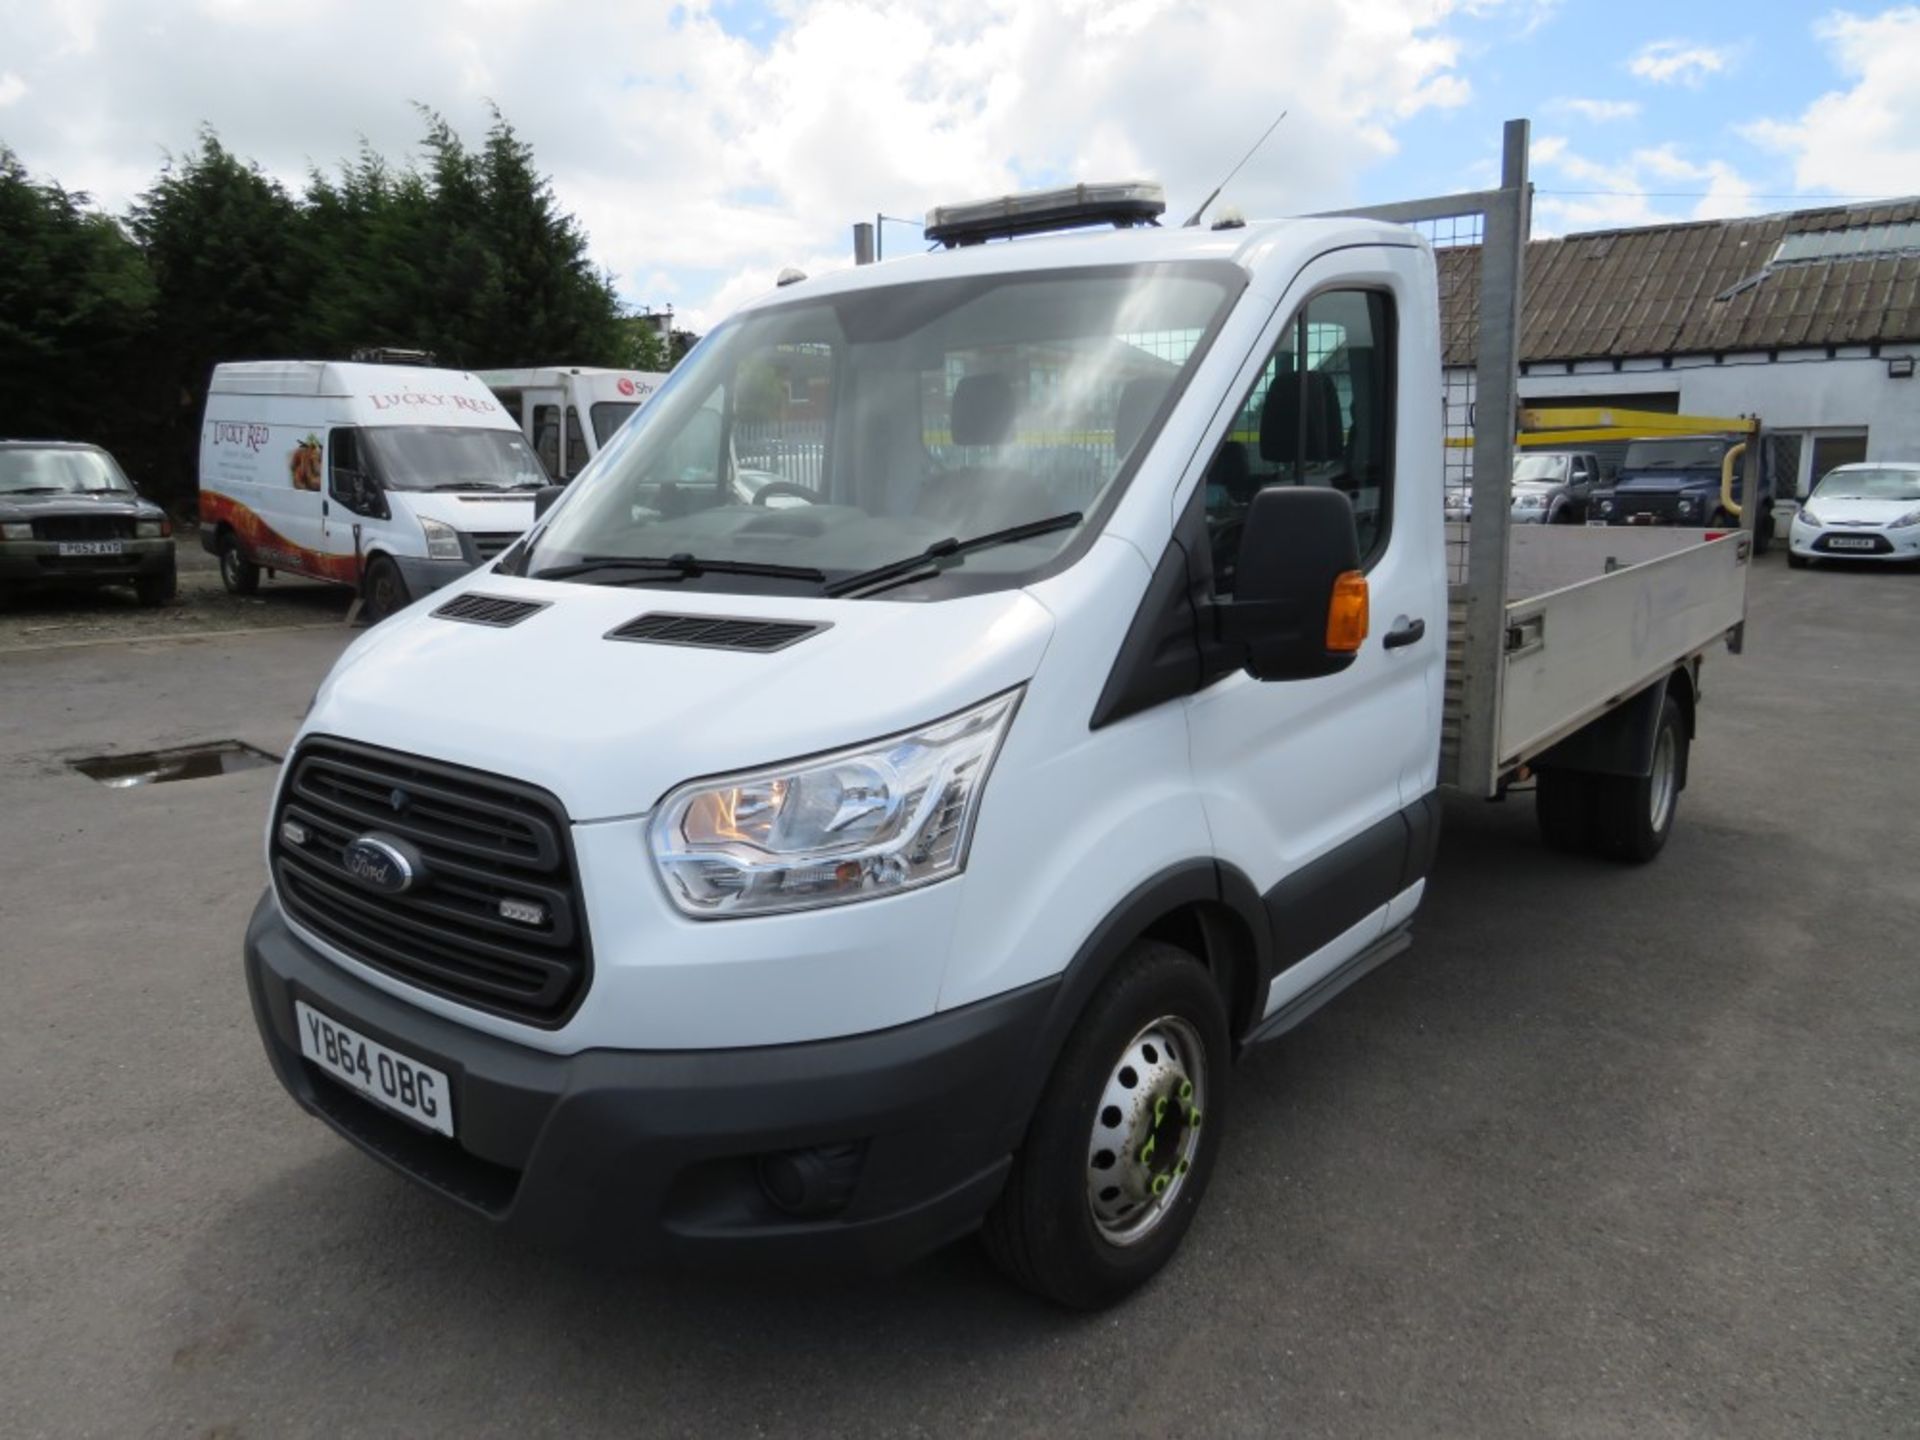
83 527
491 543
715 632
497 610
483 839
1660 508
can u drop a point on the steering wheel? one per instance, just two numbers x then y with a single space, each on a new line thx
775 489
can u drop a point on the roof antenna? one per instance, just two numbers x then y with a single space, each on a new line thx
1194 219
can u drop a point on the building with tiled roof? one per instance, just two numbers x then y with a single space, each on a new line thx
1809 319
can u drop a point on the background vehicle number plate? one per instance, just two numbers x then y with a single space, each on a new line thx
92 547
384 1076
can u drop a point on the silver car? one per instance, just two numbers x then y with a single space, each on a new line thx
1553 489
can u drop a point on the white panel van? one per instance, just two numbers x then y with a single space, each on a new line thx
394 479
569 411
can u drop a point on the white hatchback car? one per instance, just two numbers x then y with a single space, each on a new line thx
1860 512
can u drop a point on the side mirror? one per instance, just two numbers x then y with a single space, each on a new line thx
1299 610
544 497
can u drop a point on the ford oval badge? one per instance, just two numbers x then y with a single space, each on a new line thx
377 863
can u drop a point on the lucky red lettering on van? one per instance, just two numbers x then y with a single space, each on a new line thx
236 432
421 399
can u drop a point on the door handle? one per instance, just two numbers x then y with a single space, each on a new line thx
1405 633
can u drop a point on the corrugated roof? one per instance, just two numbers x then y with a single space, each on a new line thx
1698 288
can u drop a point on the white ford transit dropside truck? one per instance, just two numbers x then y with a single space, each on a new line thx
720 880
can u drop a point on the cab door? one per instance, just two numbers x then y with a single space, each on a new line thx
1317 790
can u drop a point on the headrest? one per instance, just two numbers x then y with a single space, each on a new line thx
1138 403
982 410
1301 407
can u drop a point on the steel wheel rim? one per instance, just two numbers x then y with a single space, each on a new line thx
230 565
1665 774
1146 1130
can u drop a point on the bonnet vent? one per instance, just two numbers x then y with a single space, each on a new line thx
715 632
496 610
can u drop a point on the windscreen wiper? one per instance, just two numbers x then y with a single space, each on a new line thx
37 490
679 567
914 567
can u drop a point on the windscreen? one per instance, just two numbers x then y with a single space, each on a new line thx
608 416
451 457
849 431
1674 455
1869 485
60 471
1539 467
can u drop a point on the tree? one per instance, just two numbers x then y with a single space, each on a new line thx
231 279
645 350
76 308
108 331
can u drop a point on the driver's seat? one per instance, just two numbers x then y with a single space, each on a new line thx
981 416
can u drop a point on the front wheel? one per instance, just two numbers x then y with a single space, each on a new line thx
159 588
383 590
1763 533
1634 814
239 574
1124 1138
1798 562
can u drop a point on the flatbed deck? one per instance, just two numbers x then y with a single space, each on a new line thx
1593 616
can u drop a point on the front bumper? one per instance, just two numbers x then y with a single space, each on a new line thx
1818 542
425 576
627 1156
39 562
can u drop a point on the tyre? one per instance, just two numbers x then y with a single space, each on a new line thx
1798 562
1763 532
1563 804
1633 814
1117 1156
158 588
383 590
239 574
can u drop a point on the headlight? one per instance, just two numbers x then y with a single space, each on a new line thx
152 529
1606 507
1905 522
1685 507
443 541
1530 502
865 822
1805 516
17 530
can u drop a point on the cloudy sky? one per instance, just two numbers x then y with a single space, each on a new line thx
709 143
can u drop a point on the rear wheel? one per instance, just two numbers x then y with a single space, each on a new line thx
1634 814
239 574
1124 1138
383 590
1563 804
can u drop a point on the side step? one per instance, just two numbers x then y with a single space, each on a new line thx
1302 1006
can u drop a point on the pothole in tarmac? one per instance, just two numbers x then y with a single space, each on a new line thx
161 767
